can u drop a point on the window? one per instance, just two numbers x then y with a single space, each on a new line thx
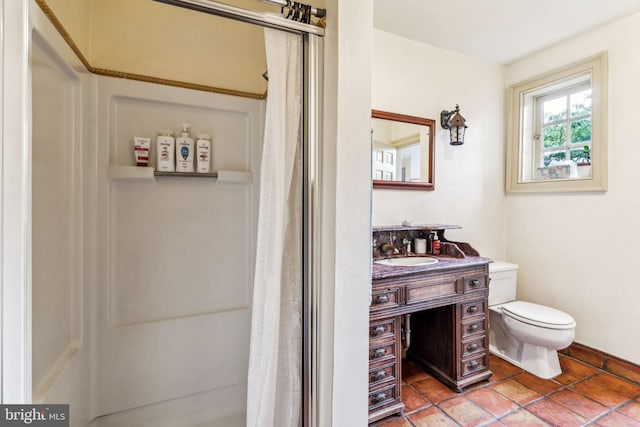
557 130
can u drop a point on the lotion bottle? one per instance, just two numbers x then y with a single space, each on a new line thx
165 149
184 151
203 153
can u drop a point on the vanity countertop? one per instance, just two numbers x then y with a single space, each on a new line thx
380 271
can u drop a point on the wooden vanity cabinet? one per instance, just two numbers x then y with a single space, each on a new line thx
448 330
384 368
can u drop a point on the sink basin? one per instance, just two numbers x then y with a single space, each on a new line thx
407 261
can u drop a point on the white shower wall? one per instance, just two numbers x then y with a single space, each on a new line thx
175 254
149 300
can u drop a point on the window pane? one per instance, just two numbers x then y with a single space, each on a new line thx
581 103
581 155
556 109
554 155
580 131
554 135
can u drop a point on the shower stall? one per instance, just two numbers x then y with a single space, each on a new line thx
143 285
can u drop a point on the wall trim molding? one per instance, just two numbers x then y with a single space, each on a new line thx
48 12
605 361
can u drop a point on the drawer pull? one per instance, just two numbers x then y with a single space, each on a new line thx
473 364
377 330
473 347
379 375
474 283
472 309
379 352
473 328
381 299
379 397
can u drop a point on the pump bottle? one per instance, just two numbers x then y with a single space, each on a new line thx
435 244
184 151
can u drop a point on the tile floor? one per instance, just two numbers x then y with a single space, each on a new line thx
581 396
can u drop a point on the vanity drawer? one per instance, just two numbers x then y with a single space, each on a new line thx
476 345
430 290
472 328
475 283
476 308
383 330
386 298
381 375
474 364
382 353
383 396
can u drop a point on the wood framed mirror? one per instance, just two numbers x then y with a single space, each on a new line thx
402 151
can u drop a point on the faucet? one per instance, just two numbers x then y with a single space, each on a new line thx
388 249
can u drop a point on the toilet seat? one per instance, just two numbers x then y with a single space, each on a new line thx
538 315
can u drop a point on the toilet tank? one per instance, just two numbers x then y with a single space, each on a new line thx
502 287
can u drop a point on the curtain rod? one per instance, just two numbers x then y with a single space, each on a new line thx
320 13
243 15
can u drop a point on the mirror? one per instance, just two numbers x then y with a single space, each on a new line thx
402 151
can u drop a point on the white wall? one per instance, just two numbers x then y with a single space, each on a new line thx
421 80
345 222
62 290
175 255
578 252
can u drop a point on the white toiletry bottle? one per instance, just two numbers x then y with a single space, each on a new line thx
203 153
184 151
165 150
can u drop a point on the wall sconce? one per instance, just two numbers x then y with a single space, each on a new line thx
456 125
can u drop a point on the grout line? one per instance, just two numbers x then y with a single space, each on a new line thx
489 383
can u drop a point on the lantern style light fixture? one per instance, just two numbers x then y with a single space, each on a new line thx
456 124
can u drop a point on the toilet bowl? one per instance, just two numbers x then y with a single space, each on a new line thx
525 334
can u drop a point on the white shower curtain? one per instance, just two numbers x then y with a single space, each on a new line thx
274 382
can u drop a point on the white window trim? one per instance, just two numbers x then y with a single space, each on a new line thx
520 126
539 148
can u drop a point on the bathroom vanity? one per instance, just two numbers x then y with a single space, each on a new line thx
436 312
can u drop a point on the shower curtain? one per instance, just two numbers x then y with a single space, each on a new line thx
274 379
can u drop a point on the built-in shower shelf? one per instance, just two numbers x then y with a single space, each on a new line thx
141 173
127 173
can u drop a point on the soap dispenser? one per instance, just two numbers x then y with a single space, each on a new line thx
435 244
184 151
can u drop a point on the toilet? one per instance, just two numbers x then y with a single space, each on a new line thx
525 334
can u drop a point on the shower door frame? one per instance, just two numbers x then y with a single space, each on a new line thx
312 105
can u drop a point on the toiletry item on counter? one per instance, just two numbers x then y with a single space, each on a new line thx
165 149
141 148
203 152
435 244
421 246
184 151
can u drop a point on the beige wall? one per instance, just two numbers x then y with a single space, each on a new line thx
167 42
155 39
578 251
75 16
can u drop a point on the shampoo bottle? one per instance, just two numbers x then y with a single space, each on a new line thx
184 151
203 152
165 149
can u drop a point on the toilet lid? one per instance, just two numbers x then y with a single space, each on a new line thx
538 315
